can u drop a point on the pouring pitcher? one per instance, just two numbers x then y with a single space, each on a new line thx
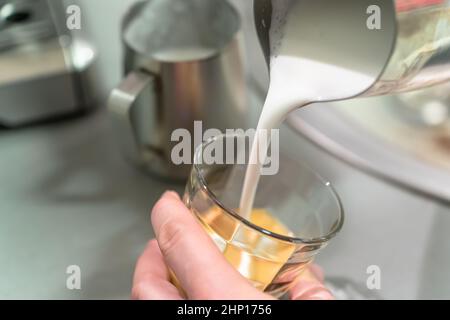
182 64
403 45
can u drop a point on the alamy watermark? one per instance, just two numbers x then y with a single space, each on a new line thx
235 148
73 21
373 281
373 21
73 281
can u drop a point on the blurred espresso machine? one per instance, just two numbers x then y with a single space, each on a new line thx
43 72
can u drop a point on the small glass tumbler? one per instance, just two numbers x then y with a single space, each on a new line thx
295 213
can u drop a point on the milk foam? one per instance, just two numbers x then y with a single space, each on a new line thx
184 54
294 82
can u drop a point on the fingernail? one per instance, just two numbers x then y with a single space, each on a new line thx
320 294
171 194
307 290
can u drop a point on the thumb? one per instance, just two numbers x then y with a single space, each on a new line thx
199 266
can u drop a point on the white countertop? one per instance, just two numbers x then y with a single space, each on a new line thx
68 198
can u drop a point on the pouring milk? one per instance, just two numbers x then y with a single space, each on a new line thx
303 72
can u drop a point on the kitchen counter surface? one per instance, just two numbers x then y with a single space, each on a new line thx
68 198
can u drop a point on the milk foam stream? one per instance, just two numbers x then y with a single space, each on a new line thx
184 54
294 82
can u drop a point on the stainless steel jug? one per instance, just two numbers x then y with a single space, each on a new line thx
412 46
182 64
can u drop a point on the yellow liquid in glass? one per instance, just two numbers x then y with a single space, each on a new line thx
257 256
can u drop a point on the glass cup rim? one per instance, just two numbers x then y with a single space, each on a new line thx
322 239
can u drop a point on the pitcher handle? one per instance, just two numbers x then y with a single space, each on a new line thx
121 104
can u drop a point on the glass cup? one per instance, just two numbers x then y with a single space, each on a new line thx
296 213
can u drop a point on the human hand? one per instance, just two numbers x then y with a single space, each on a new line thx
183 246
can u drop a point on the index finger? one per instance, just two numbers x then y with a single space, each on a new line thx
310 286
151 277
